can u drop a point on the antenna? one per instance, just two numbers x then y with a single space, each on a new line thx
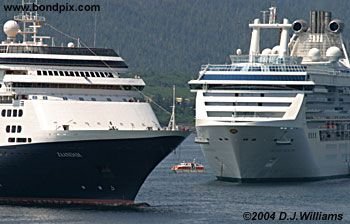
95 27
172 125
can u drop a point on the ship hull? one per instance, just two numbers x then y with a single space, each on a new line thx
92 172
265 153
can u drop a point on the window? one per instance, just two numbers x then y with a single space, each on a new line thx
92 74
61 73
87 74
29 139
110 75
71 73
81 98
66 73
102 74
44 72
3 113
15 113
50 73
55 73
34 97
8 128
44 97
9 113
11 139
65 98
82 74
20 113
93 99
21 140
38 72
13 129
97 75
19 129
109 99
77 74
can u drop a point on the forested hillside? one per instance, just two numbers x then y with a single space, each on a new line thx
166 41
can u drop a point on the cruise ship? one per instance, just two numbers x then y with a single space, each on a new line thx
279 113
73 130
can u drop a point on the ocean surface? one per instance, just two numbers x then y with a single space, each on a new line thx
199 198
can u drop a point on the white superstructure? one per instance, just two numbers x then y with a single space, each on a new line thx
281 113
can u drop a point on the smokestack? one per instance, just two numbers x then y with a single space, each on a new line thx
313 20
327 19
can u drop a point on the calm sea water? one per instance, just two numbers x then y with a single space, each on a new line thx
199 198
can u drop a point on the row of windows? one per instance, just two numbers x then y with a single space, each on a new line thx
75 74
91 99
273 68
59 50
12 113
14 129
63 62
23 140
73 86
256 77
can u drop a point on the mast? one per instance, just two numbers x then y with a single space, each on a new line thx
172 124
31 23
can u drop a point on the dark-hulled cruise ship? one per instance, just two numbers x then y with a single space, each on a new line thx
72 131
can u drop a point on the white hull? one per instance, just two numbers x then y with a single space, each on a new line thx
259 152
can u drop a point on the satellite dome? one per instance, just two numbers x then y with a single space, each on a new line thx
314 54
333 53
266 51
70 44
11 28
275 49
239 52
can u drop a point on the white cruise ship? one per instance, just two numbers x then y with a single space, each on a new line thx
73 130
280 113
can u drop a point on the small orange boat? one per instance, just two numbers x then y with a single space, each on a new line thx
188 167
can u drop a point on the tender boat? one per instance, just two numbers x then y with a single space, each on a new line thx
188 167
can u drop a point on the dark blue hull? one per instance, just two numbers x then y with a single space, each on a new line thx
80 172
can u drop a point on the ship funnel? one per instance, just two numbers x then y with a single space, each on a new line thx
299 26
336 26
319 21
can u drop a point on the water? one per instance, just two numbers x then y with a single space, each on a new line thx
199 198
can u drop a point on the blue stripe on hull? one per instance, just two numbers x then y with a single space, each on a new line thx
99 169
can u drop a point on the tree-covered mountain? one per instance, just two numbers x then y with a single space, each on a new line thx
166 41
